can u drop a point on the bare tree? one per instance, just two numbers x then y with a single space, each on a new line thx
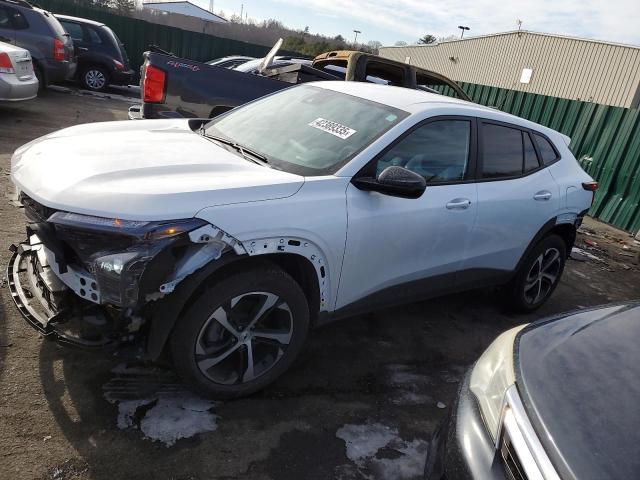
124 7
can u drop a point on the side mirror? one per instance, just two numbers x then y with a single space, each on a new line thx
395 181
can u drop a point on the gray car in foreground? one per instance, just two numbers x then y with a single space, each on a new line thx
39 32
17 79
556 399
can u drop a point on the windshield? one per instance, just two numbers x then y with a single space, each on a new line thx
306 130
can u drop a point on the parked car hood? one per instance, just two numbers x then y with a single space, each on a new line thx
578 378
142 170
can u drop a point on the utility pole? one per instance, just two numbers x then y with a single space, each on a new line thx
355 39
463 28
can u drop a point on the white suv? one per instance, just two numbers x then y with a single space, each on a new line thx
222 242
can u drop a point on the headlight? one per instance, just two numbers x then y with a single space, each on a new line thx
117 251
140 229
492 375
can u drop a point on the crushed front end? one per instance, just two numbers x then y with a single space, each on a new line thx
93 281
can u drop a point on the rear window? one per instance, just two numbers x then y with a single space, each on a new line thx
547 152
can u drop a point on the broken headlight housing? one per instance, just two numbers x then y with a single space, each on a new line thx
117 252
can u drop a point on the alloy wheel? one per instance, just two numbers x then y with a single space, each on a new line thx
95 79
542 277
244 338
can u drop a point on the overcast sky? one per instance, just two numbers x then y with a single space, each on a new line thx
407 20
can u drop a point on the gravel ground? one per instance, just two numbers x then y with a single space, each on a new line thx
362 401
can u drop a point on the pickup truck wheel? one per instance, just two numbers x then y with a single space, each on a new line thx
241 333
539 274
94 78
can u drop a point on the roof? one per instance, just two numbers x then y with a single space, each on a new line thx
180 2
512 32
416 101
79 20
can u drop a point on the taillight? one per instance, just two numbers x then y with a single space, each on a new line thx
59 52
118 65
153 84
590 186
5 64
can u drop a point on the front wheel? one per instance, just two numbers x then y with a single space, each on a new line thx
539 274
242 333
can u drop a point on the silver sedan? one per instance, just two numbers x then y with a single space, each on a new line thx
17 79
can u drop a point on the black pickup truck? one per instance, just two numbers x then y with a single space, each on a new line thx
178 88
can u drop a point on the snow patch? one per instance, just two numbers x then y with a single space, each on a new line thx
153 400
368 447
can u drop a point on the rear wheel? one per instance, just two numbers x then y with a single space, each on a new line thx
242 333
37 69
94 78
539 274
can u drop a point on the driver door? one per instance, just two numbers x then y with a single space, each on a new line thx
401 249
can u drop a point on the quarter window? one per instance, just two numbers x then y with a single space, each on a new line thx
547 152
93 36
439 151
502 151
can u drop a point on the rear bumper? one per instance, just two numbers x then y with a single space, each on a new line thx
122 78
462 447
59 71
14 90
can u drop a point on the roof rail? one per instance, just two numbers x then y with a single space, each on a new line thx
22 3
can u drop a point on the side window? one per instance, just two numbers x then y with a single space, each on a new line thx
94 37
502 151
5 21
547 152
530 156
439 151
74 30
19 21
383 72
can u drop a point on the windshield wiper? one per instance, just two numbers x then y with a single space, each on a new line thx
258 158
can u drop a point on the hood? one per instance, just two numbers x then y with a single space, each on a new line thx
578 378
141 170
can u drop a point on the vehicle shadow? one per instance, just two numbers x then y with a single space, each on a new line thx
393 366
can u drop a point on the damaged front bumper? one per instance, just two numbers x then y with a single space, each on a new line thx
48 305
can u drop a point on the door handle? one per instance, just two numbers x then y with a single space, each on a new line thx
459 204
542 195
82 49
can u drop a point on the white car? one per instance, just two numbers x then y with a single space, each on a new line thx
224 241
17 79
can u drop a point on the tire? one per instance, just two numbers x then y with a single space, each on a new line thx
37 69
532 286
213 344
94 78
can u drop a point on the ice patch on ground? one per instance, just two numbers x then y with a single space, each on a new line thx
153 401
368 447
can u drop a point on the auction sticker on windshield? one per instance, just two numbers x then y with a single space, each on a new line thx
334 128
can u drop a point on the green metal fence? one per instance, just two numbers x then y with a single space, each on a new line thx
605 140
137 35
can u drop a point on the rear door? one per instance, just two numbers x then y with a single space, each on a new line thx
517 195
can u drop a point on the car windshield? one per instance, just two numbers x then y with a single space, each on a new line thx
305 129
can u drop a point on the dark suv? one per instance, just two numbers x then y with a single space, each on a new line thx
102 59
39 32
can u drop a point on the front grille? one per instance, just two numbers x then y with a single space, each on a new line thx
510 460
